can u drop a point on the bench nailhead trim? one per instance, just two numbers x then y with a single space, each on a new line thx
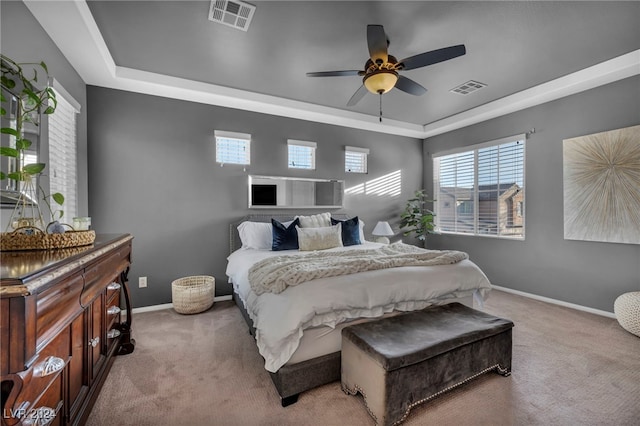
502 371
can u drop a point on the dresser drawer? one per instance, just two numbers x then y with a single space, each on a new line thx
48 409
102 274
43 380
113 290
113 310
56 306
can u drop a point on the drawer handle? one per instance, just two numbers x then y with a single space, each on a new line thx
94 342
113 310
114 286
41 416
50 365
113 333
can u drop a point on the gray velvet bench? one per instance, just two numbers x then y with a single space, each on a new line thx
399 362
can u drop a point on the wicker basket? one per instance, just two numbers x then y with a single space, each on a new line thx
627 310
38 240
192 295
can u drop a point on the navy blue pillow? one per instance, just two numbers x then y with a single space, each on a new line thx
350 231
284 237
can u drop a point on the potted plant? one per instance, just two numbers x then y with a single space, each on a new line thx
25 96
23 100
416 218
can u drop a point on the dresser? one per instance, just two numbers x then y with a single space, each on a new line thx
64 315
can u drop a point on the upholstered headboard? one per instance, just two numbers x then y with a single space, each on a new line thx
234 237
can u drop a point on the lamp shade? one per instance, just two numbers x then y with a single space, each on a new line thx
383 229
380 81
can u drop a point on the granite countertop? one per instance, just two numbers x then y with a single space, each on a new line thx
24 272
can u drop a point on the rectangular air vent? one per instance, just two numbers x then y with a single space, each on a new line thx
468 87
236 14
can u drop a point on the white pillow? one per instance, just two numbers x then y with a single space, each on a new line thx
361 226
319 238
315 221
256 235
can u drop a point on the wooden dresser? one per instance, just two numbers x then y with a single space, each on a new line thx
60 327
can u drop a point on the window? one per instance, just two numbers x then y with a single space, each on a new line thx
355 159
63 152
302 154
233 148
479 190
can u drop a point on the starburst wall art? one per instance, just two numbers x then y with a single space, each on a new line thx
602 186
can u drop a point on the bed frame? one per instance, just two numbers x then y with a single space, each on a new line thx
290 380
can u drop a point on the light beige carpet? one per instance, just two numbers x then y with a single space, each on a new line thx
569 368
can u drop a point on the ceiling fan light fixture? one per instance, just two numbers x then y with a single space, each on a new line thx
381 81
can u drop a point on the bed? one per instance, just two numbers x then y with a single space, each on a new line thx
298 330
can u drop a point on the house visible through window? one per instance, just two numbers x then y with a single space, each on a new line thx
302 154
479 190
63 153
232 147
355 159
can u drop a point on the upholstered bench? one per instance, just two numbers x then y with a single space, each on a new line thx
399 362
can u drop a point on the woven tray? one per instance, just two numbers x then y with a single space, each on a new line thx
38 240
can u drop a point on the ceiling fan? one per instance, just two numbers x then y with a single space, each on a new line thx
380 72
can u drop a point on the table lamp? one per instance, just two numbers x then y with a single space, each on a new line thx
382 231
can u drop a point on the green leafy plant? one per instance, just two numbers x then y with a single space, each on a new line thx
33 97
416 218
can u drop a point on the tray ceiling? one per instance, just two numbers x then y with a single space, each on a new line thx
518 49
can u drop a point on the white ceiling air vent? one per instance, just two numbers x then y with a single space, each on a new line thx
236 14
468 87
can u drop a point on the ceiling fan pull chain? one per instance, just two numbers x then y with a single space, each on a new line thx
381 107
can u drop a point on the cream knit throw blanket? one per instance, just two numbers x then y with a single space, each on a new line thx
275 274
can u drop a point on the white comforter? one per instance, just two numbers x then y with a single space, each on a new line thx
280 318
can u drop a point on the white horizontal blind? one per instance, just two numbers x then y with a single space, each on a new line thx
355 159
63 156
302 154
233 148
481 191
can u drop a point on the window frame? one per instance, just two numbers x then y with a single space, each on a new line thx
302 144
221 135
363 152
474 149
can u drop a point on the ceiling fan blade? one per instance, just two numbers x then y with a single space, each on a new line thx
334 73
377 42
407 85
433 57
357 96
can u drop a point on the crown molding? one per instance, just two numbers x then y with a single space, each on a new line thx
73 29
600 74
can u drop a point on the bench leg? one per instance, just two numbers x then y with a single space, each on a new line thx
286 401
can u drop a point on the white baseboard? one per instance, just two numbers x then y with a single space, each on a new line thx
556 302
169 305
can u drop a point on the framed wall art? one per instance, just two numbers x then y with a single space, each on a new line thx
602 186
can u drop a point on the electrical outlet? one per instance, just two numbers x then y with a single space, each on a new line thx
142 282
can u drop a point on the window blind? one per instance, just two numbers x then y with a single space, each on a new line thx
355 159
481 191
302 154
233 148
63 154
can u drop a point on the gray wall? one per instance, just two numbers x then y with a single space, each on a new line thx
153 174
591 274
24 40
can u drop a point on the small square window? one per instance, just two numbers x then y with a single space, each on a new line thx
233 148
302 154
355 159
